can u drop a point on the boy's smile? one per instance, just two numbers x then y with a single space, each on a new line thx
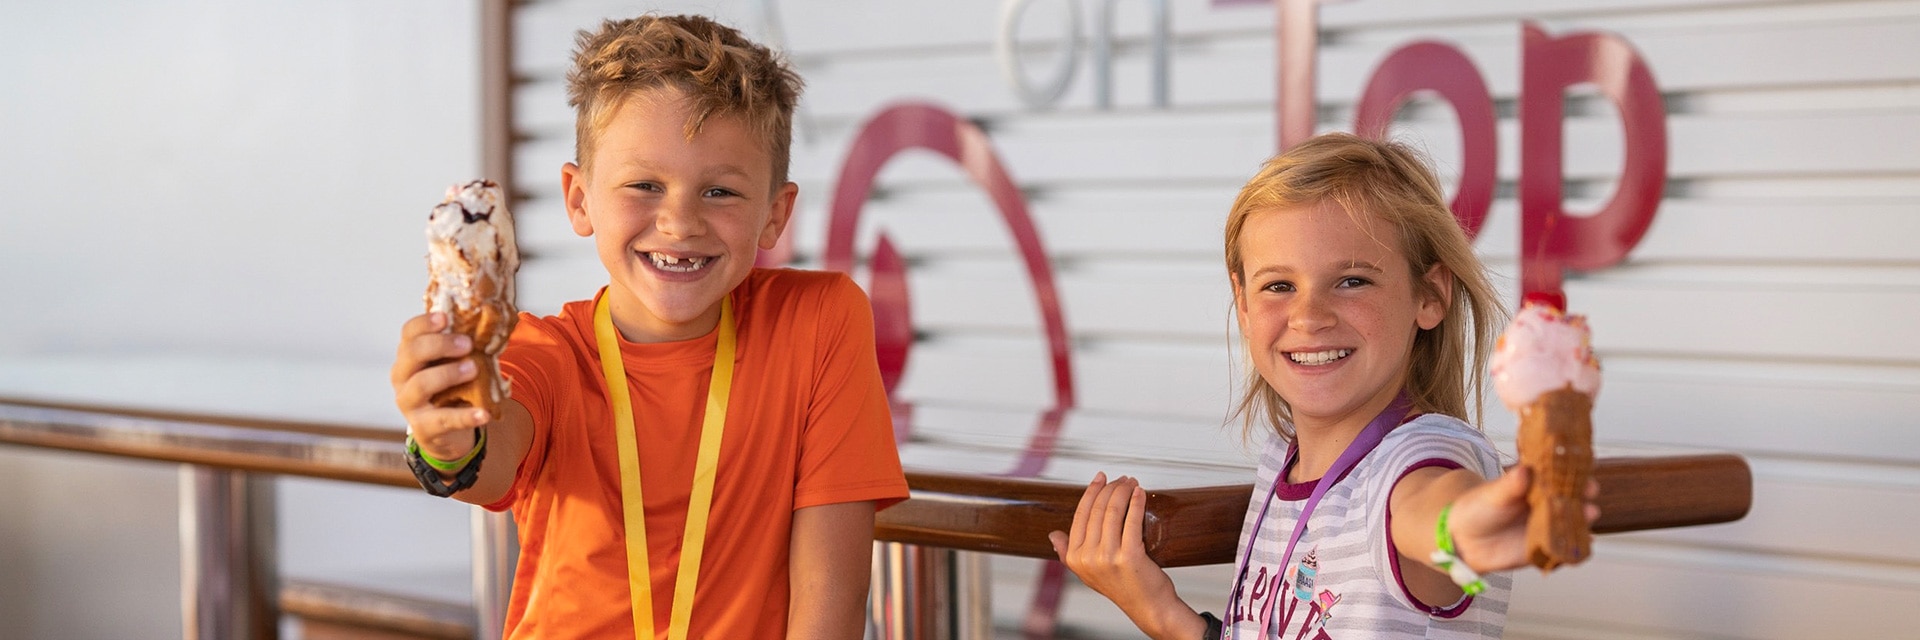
1329 308
677 222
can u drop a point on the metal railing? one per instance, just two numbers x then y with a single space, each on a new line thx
923 588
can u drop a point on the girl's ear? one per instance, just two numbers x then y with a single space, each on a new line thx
573 184
1239 302
1438 297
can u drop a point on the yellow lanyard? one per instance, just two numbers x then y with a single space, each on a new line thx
639 572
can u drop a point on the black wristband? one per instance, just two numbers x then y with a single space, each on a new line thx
1213 627
429 477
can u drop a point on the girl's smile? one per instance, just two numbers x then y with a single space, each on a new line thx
1329 308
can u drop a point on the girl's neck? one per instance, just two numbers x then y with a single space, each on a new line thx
1319 443
1316 449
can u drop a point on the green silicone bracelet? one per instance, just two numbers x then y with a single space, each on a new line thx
479 443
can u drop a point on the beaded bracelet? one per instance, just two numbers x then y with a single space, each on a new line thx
1448 559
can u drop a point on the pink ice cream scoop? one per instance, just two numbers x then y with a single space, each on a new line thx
1543 349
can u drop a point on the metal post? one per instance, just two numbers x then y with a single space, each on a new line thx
929 593
229 583
495 551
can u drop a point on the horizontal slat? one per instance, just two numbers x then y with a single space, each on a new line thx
1239 70
1185 223
1797 516
1841 50
1629 585
1167 149
1745 406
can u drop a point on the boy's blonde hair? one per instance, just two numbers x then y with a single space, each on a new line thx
720 72
1390 182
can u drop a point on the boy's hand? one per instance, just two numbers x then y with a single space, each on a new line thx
445 434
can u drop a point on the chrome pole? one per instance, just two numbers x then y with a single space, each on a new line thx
929 593
495 551
229 583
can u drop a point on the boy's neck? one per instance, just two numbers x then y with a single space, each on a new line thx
638 324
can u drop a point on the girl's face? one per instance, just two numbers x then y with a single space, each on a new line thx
1329 307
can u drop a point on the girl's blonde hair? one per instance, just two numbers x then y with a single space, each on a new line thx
1389 181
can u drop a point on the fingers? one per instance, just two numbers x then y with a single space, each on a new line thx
1109 519
1513 484
1060 539
1084 510
1106 518
1132 535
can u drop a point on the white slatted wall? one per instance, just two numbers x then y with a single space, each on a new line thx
1768 311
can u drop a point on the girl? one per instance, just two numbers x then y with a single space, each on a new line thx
1359 301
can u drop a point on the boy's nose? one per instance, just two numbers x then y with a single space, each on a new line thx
680 218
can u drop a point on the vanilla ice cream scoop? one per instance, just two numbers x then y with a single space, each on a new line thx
1543 349
471 261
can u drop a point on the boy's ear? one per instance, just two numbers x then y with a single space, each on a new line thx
1438 297
573 184
778 215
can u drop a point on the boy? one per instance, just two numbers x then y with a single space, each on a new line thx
682 133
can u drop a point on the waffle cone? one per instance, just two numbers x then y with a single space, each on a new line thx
1556 442
488 324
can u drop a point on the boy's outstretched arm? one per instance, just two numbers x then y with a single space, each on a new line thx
829 569
449 433
1106 550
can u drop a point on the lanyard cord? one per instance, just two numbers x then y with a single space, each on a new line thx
699 504
1363 443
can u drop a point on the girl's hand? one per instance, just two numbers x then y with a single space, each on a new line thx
1489 522
1106 551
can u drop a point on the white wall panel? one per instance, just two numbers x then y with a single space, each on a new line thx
1767 311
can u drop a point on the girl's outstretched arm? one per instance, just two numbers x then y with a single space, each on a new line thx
1106 550
1488 521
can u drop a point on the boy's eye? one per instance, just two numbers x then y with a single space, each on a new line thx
1353 281
717 192
644 186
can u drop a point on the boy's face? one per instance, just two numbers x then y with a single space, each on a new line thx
676 222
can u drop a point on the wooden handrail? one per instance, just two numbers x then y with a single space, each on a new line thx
1196 526
361 611
1185 525
361 454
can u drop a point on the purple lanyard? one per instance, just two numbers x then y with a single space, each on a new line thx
1362 444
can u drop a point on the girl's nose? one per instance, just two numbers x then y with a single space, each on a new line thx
1309 313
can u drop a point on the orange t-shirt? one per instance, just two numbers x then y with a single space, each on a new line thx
807 425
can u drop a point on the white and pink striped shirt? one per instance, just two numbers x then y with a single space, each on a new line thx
1351 586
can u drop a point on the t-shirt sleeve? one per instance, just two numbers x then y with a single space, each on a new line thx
847 452
529 363
1431 441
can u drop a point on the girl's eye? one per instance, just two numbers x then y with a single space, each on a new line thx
1350 282
1278 287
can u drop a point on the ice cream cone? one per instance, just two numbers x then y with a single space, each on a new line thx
472 259
1556 443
